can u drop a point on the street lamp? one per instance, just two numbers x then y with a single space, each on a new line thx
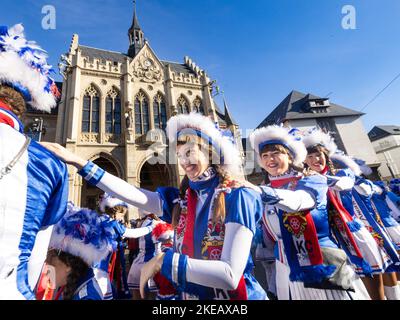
37 128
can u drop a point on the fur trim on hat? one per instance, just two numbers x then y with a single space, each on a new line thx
110 202
347 162
232 162
366 171
83 233
279 135
23 65
316 137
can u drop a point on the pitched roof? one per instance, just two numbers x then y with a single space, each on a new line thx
92 53
294 107
178 67
379 132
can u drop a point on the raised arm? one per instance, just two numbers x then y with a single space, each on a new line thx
140 198
287 200
137 232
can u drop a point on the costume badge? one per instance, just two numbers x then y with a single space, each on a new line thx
295 223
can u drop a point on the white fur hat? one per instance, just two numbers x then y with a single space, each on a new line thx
85 234
274 134
346 161
201 126
110 202
366 171
23 66
316 136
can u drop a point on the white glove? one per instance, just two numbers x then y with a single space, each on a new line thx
364 189
344 183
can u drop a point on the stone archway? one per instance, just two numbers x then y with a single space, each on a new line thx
154 176
90 194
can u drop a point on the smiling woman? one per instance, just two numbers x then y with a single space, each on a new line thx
309 264
214 215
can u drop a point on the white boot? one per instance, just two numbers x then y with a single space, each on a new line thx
392 293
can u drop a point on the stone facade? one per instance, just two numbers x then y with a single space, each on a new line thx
138 87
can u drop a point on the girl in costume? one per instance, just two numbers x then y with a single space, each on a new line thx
115 212
33 183
161 241
363 202
379 201
148 248
367 257
309 264
79 241
393 198
214 216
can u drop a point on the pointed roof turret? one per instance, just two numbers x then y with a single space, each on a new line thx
136 35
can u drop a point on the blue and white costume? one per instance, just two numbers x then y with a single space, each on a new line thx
83 233
147 250
364 207
295 193
34 193
101 269
393 201
379 202
196 278
88 288
372 259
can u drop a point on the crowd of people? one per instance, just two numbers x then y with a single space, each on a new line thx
320 228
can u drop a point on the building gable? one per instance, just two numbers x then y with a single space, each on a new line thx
146 67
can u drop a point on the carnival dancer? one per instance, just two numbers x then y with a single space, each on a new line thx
362 194
394 185
148 248
309 265
79 240
369 260
33 183
114 213
379 202
160 240
393 198
164 233
211 255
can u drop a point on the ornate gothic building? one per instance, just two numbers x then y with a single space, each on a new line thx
115 105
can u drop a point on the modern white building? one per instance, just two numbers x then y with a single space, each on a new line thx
386 142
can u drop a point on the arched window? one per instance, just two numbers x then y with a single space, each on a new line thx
142 123
113 112
91 110
160 112
183 105
198 105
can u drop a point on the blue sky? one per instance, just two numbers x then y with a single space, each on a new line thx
257 50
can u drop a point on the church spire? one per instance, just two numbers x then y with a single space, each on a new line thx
136 35
227 115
